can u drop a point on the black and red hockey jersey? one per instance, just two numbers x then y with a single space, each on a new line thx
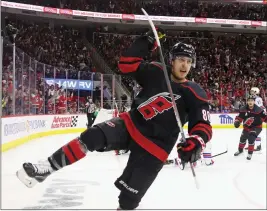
151 121
251 118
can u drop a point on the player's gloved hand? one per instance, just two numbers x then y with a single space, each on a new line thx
152 39
237 123
190 150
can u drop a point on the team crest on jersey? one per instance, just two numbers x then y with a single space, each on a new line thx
156 105
109 123
249 121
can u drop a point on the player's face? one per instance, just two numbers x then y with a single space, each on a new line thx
180 68
251 102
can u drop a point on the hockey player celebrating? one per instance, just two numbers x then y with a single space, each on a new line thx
149 129
252 117
258 101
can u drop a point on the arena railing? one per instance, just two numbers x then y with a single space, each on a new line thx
99 59
30 87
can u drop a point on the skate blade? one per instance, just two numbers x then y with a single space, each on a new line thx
25 179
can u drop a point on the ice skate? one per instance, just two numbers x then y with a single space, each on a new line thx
249 156
121 152
31 174
210 164
258 148
238 152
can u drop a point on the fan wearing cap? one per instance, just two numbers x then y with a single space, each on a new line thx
252 117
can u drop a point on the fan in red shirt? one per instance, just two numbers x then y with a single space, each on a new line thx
35 102
62 104
50 106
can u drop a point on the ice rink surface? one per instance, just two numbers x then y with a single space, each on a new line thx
231 183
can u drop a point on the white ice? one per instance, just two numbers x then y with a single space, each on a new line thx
231 183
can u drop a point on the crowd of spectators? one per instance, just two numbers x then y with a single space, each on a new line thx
228 65
44 52
58 46
163 7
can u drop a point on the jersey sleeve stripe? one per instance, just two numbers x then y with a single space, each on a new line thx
201 129
130 60
129 68
129 64
205 128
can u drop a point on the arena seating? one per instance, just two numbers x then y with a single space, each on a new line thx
228 65
163 7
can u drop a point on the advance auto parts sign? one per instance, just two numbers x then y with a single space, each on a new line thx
64 122
24 126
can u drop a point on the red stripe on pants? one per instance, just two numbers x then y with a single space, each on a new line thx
141 140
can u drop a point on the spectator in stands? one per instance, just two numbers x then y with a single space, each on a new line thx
174 8
227 65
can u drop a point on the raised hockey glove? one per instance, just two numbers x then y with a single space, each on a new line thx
152 39
237 123
190 150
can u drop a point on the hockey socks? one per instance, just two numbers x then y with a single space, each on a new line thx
68 154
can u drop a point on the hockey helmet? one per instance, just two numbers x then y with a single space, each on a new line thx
182 49
252 96
255 90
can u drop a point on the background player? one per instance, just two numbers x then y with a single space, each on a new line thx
258 101
149 129
252 117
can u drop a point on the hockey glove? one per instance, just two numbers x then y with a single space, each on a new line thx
190 150
152 39
237 123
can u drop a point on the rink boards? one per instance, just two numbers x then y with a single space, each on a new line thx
18 130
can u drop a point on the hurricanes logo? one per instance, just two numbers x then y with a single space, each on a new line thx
249 121
156 105
109 123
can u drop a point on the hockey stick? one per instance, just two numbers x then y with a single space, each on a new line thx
177 116
116 105
219 154
173 161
